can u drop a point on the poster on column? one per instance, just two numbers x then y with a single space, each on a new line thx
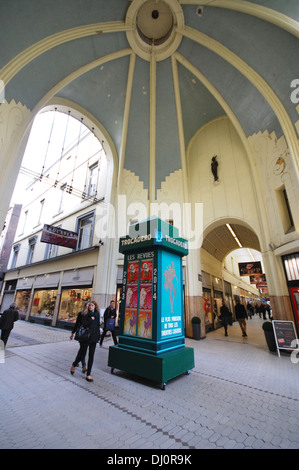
132 296
138 304
171 305
130 321
145 324
145 297
146 272
133 271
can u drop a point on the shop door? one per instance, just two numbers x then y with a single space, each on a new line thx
295 301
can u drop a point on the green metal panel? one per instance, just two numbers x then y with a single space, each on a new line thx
151 336
160 368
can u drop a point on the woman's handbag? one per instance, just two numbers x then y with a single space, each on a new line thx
82 334
110 324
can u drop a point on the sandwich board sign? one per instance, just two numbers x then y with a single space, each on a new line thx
285 335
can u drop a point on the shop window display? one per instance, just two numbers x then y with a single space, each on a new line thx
216 308
44 303
208 309
72 302
22 300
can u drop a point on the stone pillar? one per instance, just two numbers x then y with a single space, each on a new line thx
14 132
277 287
281 308
104 285
193 293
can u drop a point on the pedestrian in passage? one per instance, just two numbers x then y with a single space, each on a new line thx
109 322
7 320
224 315
250 310
241 316
88 318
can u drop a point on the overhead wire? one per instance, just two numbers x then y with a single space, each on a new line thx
58 183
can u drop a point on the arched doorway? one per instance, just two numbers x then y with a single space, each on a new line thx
227 245
57 134
68 181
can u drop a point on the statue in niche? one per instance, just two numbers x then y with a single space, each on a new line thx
214 167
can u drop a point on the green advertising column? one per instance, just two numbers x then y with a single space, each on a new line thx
152 332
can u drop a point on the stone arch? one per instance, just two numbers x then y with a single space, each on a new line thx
218 232
15 128
99 131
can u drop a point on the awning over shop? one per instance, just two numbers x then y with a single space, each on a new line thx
25 283
78 277
47 281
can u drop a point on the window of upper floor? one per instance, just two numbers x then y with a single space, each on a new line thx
15 254
85 229
31 248
60 168
93 180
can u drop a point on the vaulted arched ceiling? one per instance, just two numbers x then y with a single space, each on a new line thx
155 71
219 242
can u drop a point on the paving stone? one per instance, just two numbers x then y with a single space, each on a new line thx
259 405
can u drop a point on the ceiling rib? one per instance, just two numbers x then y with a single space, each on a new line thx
259 11
258 82
28 55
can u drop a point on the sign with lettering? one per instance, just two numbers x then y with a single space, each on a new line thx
59 236
251 268
285 335
171 298
139 291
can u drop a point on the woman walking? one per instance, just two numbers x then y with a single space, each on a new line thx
89 319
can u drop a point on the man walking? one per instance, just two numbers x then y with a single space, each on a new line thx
224 316
109 322
241 316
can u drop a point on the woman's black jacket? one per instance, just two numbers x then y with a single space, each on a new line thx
8 318
87 322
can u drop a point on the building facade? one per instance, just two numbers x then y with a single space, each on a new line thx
67 203
196 109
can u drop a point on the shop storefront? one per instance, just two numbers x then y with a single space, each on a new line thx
8 294
76 289
217 300
43 304
207 309
23 296
291 268
44 298
72 302
228 298
207 300
119 281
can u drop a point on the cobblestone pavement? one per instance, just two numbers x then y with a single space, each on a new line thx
238 396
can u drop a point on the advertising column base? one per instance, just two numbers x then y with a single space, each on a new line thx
159 368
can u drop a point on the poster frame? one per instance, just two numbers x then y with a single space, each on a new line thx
278 347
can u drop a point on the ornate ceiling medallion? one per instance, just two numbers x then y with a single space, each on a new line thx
153 26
